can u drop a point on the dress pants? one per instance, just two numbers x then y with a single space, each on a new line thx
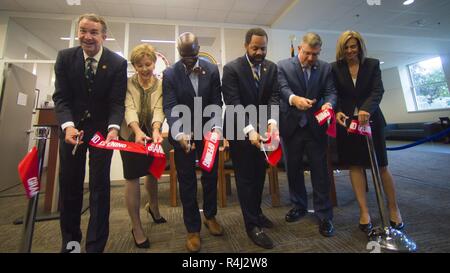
71 180
187 179
250 171
303 142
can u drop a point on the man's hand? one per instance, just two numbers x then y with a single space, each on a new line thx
218 131
157 136
71 135
341 117
185 143
363 117
326 105
112 134
254 138
302 103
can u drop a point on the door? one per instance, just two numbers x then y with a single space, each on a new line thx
17 99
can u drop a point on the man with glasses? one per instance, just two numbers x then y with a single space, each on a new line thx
306 86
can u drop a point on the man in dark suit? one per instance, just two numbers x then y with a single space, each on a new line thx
89 96
306 86
251 81
187 83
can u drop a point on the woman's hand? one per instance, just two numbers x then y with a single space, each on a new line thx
363 117
341 117
157 136
141 138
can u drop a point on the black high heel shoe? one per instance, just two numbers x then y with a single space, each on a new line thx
397 226
160 220
366 228
144 244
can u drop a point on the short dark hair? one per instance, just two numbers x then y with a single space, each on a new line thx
254 31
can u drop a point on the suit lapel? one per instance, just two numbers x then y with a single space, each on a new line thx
248 75
262 79
186 80
298 69
80 68
202 86
101 70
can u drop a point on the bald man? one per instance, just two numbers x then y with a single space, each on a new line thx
188 80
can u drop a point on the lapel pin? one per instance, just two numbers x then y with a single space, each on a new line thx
104 66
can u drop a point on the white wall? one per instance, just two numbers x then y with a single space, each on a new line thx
393 104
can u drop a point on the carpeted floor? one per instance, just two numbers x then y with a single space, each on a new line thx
423 186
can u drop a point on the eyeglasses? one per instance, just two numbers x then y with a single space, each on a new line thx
308 53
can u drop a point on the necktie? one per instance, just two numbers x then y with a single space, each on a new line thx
89 73
305 74
256 76
303 118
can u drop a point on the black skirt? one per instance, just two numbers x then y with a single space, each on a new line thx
353 150
135 165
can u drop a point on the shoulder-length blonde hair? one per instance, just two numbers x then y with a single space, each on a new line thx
343 39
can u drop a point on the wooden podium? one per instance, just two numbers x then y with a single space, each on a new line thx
47 118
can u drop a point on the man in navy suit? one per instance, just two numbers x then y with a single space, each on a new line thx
185 83
90 87
251 81
306 86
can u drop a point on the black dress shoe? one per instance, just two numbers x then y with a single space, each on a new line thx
260 238
326 228
366 228
295 214
265 222
144 244
399 226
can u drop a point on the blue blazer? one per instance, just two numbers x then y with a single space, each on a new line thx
291 82
178 90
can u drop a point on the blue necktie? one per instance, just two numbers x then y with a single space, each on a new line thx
303 119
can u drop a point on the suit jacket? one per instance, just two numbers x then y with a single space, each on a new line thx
367 93
106 101
239 88
320 87
133 106
178 90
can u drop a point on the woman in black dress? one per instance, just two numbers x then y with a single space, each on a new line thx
143 119
360 90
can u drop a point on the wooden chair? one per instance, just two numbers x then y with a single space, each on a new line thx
225 169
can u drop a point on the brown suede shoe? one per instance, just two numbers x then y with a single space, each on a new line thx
193 242
214 227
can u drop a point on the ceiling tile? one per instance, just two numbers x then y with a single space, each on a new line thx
216 4
264 19
240 18
10 5
119 10
181 14
145 11
183 4
211 15
148 2
253 6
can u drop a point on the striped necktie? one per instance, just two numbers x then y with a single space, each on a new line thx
256 76
89 73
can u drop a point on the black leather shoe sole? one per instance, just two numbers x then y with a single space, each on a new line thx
291 217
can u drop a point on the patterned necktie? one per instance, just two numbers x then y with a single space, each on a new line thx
89 73
305 74
256 76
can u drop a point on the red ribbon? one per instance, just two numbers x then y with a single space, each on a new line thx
275 156
323 116
355 128
154 150
28 172
209 151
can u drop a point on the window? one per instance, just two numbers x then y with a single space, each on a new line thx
429 85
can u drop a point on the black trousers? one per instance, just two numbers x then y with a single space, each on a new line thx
303 142
250 171
71 179
187 179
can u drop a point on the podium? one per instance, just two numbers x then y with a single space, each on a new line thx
47 117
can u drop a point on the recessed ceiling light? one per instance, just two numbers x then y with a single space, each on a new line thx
381 62
408 2
73 2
